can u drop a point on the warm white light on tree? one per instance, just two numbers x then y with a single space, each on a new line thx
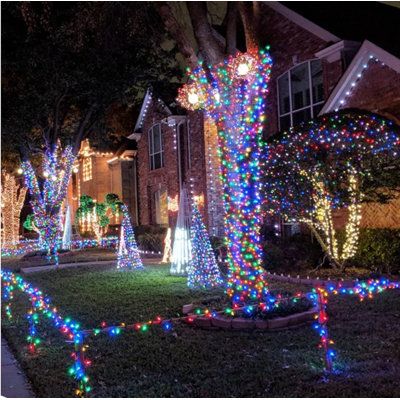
12 200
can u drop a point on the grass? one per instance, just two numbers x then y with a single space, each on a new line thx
73 256
191 362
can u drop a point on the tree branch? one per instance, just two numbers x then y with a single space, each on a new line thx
250 30
208 46
81 129
231 18
176 31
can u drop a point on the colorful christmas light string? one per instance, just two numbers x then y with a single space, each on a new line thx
233 95
76 335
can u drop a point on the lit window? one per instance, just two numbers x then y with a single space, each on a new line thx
87 169
156 150
295 104
161 203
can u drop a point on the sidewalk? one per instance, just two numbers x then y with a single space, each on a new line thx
13 381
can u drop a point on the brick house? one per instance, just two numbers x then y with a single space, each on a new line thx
173 149
99 172
314 72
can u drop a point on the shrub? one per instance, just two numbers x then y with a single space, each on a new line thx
150 238
292 254
379 250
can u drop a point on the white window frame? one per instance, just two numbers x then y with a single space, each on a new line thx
310 106
151 148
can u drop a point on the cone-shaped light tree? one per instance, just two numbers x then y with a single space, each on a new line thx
233 95
128 252
203 271
181 250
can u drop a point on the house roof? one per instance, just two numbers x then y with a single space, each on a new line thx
164 93
368 52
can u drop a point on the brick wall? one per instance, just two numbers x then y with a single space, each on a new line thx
288 40
378 90
192 156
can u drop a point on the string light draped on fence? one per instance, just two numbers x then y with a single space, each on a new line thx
12 200
128 252
233 94
182 251
203 271
47 198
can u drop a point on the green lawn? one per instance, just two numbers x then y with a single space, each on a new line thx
204 363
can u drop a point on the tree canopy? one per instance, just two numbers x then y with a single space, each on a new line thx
66 68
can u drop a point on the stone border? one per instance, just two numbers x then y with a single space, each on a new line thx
246 324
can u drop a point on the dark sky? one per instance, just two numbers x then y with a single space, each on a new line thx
377 22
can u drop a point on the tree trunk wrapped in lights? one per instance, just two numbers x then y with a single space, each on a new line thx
47 198
233 95
203 271
12 200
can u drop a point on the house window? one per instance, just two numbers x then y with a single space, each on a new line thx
87 169
161 206
156 150
300 94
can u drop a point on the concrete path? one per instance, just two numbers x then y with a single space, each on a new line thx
13 381
32 270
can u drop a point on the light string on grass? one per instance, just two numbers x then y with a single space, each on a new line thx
233 95
40 305
318 296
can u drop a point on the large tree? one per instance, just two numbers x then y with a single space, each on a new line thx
66 68
230 87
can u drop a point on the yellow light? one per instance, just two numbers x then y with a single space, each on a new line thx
243 69
193 98
45 174
20 171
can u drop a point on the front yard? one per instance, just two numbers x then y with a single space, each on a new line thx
190 362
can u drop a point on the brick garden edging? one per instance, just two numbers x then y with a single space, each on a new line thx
229 323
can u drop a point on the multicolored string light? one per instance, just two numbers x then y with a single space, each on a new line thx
322 165
233 94
47 198
40 305
203 270
128 252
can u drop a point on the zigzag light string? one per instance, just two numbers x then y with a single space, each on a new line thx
73 332
233 95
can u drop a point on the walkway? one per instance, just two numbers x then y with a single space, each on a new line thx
13 381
